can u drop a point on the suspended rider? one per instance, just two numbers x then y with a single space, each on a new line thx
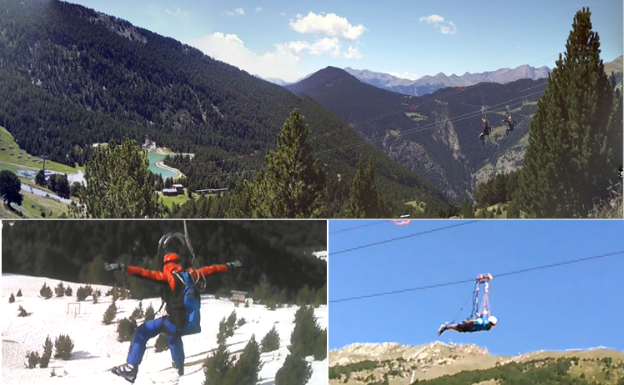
510 125
486 131
182 300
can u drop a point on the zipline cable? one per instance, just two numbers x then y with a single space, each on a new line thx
400 238
472 279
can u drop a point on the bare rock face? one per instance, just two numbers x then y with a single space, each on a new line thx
120 27
399 362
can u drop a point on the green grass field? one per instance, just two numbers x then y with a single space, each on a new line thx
418 205
180 199
22 159
415 116
32 207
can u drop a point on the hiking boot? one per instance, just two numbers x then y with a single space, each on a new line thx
180 369
127 371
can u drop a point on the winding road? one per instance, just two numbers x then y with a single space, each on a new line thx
42 193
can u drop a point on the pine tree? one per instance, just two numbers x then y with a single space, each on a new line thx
149 313
118 183
59 290
305 333
109 314
216 366
294 184
11 298
295 371
575 141
354 208
271 341
47 353
248 366
19 293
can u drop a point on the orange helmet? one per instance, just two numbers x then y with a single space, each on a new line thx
171 258
484 120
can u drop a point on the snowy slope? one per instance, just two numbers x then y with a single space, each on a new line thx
96 348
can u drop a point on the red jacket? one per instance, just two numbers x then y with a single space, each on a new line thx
175 295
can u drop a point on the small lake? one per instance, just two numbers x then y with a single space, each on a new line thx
153 158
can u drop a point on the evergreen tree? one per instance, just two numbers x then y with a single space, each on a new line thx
271 341
47 353
109 314
40 178
64 346
45 291
149 313
295 371
10 187
62 186
216 366
59 290
294 184
305 333
575 141
363 201
19 293
118 183
248 366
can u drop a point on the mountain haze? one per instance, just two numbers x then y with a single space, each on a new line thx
428 84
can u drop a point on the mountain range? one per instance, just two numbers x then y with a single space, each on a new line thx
440 363
428 84
434 135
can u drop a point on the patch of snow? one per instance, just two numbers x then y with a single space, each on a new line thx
96 348
321 255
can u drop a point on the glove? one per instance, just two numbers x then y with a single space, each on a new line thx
233 265
114 266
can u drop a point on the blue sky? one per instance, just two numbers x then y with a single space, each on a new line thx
569 307
407 38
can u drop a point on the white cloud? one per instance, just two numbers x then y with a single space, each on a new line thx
432 19
280 63
236 12
326 45
283 14
330 25
447 28
353 53
175 12
258 9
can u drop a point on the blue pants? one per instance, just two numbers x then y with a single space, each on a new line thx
151 329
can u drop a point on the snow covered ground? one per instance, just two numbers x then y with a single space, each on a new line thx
96 348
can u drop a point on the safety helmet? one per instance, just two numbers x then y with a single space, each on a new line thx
484 120
509 117
170 258
171 246
493 320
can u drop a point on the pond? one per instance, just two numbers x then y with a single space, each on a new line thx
153 158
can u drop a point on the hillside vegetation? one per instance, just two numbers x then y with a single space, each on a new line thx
438 364
72 77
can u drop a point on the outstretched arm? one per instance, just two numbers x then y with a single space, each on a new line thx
137 271
152 275
214 269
